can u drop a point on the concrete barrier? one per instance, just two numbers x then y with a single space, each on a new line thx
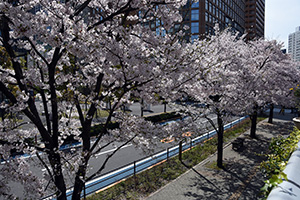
289 189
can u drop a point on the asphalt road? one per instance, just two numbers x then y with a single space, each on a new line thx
127 155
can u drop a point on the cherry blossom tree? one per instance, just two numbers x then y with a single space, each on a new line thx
274 73
80 51
234 77
215 81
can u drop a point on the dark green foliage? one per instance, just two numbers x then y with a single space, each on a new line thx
99 128
280 151
163 117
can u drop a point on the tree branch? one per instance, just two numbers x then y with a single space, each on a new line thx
107 158
124 9
80 8
47 168
37 52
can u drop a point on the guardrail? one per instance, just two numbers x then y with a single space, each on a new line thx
140 165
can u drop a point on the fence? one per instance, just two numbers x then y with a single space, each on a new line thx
124 172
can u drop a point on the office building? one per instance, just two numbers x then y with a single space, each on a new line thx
202 16
294 44
254 19
244 16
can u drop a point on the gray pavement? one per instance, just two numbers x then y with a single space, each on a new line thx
241 179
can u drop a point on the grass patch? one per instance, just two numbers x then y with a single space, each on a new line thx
213 165
102 113
149 181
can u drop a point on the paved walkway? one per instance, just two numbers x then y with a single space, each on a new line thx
241 178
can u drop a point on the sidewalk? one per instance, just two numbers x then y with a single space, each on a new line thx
241 179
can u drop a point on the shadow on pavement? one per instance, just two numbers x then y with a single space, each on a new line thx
241 177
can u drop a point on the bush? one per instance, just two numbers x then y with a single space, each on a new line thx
280 151
163 117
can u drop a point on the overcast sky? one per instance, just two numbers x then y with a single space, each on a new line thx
281 18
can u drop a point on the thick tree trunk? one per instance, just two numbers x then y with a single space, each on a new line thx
220 141
271 114
79 182
253 118
60 185
59 181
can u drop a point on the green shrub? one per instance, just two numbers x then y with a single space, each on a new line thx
97 129
280 151
163 117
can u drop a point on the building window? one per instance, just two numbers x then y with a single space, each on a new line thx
187 38
157 31
187 5
206 28
194 37
152 24
163 32
176 27
195 27
195 15
195 5
186 15
157 22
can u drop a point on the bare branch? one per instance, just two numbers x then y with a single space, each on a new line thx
37 52
107 158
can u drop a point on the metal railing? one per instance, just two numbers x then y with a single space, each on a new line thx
142 164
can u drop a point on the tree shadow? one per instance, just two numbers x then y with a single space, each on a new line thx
277 128
241 177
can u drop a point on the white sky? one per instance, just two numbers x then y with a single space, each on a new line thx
281 18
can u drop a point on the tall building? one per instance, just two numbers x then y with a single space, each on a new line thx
244 16
255 19
294 44
202 16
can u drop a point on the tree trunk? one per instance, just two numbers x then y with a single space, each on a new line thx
60 185
253 118
271 114
59 181
79 182
220 141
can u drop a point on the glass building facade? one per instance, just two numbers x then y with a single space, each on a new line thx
203 15
244 16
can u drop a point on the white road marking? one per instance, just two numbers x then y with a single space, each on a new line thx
111 150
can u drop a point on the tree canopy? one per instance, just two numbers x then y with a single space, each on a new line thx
96 52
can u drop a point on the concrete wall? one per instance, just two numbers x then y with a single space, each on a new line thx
289 190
